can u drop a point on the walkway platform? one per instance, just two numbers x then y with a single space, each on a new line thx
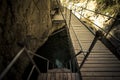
59 74
101 63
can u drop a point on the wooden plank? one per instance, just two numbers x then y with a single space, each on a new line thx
52 76
101 62
65 76
69 76
48 76
45 76
74 76
100 78
107 69
60 76
85 36
99 59
97 46
100 51
99 56
100 74
42 76
77 76
101 66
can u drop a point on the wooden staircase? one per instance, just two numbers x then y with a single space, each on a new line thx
59 74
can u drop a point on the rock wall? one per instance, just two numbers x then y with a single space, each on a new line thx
22 21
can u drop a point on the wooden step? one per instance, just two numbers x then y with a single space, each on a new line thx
58 76
101 62
100 74
103 69
101 78
98 56
101 66
99 59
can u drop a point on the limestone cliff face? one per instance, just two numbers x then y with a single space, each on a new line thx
22 21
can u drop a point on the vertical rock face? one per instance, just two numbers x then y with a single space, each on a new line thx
22 21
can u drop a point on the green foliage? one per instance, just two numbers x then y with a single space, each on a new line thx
110 6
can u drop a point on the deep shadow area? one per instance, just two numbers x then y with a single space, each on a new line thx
58 50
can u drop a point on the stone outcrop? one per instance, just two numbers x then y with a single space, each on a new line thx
22 21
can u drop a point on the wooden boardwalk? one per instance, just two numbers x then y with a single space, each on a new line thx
59 74
101 63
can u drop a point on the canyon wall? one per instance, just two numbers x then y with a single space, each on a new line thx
22 22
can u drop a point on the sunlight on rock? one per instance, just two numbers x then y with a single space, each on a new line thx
77 9
100 21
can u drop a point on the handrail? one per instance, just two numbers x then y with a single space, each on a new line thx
57 31
92 22
107 33
75 33
100 13
11 64
81 51
28 78
33 62
32 53
101 28
28 52
77 39
48 61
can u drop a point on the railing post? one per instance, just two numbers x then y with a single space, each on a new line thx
28 78
70 18
32 61
97 36
47 66
70 65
